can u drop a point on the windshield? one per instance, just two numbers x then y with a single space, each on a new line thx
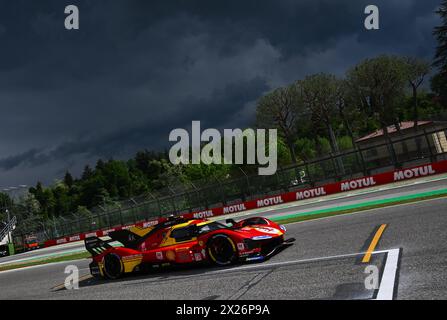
188 232
211 227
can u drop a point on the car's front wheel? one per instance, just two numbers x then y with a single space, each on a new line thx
221 250
113 266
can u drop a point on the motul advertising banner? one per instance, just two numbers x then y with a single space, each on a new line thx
337 187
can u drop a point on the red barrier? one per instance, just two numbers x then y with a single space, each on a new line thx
337 187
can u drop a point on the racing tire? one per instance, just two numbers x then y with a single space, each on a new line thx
113 266
222 250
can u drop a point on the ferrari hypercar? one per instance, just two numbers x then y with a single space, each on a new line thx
179 241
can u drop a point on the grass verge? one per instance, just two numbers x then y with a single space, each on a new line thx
17 265
357 208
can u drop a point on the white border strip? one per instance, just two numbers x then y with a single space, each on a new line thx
386 289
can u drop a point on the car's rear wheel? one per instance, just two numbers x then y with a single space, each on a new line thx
113 266
221 250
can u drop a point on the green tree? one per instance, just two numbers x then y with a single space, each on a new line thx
5 203
416 71
438 84
87 173
68 179
305 149
46 200
61 199
280 109
378 86
321 94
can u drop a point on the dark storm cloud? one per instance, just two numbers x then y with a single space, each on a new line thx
138 69
115 144
30 156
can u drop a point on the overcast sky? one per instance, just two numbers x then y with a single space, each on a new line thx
138 69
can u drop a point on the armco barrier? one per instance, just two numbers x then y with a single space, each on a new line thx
337 187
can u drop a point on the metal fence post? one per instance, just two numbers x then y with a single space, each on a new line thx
248 181
362 160
334 165
172 198
158 203
279 185
222 192
306 166
432 157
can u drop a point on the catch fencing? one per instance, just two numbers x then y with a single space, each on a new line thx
370 157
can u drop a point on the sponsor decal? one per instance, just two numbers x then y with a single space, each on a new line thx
149 223
269 201
311 193
240 246
59 241
91 234
357 184
159 255
413 173
75 238
249 252
106 232
267 230
132 257
203 214
234 208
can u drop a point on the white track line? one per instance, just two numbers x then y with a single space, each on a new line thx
386 289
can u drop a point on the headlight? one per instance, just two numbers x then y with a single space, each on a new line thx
283 228
261 237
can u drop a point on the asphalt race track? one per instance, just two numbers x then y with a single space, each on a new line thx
324 263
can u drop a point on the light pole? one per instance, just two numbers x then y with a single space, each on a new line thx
10 191
9 219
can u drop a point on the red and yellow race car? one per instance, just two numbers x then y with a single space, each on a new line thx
179 241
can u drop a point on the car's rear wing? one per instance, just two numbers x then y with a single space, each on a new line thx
96 246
